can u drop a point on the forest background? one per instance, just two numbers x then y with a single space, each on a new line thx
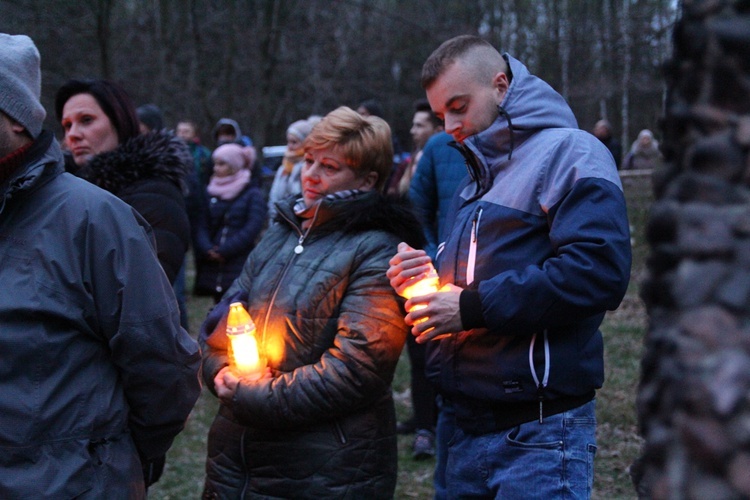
267 63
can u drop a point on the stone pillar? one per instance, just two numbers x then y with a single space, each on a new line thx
694 394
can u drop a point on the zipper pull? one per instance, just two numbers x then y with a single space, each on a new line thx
299 248
540 398
474 224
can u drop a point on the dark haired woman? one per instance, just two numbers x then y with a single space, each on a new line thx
146 171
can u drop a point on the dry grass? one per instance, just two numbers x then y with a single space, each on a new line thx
617 436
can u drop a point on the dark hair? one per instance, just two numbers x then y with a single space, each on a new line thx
226 129
423 105
446 54
111 97
151 116
372 106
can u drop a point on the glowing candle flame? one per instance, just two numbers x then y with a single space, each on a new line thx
242 342
426 285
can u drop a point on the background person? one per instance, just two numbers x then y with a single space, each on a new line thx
603 131
147 171
424 125
286 181
321 423
231 221
150 118
644 153
228 130
440 171
187 130
538 251
97 375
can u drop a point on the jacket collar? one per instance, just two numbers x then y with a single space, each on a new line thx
370 211
41 162
529 105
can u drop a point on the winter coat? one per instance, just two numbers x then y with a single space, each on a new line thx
439 173
540 240
96 370
284 186
333 330
642 158
233 227
148 172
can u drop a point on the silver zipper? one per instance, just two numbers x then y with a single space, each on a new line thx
471 263
540 386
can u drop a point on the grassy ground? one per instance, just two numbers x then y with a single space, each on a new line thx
618 440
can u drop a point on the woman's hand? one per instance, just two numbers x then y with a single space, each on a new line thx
226 383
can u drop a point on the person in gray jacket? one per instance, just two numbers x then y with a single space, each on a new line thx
97 376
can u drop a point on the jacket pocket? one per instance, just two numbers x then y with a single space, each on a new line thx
295 453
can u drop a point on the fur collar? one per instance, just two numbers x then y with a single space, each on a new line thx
371 211
156 155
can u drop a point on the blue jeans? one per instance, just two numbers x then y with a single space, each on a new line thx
554 459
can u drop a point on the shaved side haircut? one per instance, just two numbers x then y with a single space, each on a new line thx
474 51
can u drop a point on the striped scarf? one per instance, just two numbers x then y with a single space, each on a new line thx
304 212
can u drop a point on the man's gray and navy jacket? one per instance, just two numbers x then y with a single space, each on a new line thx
541 244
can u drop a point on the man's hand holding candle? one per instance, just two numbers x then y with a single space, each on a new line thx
441 314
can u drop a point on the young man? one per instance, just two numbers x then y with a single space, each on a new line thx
538 250
97 376
424 125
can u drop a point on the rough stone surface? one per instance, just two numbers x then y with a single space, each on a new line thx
694 395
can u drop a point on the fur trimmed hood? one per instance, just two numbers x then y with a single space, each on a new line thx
371 211
156 155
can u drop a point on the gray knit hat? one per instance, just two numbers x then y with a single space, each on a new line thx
21 82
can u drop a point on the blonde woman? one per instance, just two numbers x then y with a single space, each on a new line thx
321 422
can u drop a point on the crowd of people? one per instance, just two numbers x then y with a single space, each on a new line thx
519 210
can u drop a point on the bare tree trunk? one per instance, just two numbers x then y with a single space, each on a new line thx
103 35
607 57
693 403
564 47
627 58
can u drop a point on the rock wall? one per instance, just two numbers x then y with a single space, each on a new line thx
694 393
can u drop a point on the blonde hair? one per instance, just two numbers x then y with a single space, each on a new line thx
365 142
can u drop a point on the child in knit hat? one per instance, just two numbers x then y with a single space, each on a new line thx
230 223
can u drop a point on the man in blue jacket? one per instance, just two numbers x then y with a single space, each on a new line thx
439 173
538 251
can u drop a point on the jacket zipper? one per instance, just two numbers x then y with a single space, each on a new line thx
220 274
297 250
339 432
244 462
471 263
540 386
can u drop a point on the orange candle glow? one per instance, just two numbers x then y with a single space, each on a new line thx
243 346
430 283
